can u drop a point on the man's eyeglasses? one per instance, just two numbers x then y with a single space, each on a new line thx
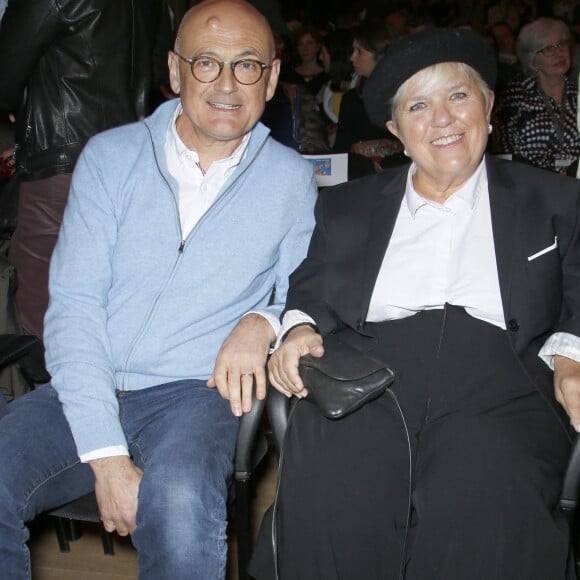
207 69
551 49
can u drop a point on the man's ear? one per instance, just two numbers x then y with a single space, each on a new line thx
173 65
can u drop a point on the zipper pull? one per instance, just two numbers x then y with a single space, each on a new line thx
181 246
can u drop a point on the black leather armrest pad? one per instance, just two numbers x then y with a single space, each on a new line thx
571 484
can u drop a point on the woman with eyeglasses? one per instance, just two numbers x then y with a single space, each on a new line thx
536 116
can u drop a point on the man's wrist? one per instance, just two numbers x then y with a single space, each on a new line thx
107 465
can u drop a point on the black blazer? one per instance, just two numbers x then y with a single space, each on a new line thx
529 208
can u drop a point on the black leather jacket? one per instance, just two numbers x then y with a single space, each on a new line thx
73 68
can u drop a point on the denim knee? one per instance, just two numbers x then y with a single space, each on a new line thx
181 527
40 470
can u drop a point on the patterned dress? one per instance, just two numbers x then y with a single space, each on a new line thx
531 126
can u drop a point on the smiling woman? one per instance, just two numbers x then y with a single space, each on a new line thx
466 273
536 116
441 115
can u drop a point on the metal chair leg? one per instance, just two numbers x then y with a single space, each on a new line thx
107 541
243 527
61 536
66 530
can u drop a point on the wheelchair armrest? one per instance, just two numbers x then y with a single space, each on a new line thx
249 448
278 413
571 485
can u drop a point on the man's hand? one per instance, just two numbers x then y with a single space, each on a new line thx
117 482
283 364
241 361
567 387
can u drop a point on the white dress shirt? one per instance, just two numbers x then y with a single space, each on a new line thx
447 254
197 189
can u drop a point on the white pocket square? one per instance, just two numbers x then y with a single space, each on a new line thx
545 250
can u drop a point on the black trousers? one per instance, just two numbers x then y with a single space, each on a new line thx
456 477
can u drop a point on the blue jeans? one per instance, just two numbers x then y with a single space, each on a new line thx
181 434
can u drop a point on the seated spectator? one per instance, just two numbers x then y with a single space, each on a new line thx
504 11
398 19
166 284
300 85
536 115
334 55
507 61
308 72
454 473
371 41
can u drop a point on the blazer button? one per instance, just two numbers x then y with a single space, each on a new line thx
513 325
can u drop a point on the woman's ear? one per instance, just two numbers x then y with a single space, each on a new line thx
490 106
392 128
533 67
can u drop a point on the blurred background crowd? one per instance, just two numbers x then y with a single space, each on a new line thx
328 49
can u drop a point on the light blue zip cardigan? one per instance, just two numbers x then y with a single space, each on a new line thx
131 306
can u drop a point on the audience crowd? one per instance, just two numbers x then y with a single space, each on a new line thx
320 46
521 32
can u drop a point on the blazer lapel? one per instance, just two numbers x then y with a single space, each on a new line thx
505 222
504 218
384 215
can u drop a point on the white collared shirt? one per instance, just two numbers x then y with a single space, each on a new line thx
447 254
443 253
197 190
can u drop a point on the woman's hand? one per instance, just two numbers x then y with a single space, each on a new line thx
283 364
567 387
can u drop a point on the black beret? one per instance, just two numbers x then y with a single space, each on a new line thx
410 54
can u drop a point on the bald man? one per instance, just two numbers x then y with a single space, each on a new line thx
166 284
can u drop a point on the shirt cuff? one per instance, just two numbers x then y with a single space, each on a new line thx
112 451
291 319
563 344
274 323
